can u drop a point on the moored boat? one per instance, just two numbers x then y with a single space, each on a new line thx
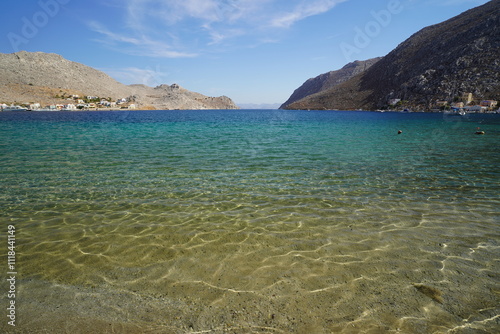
13 108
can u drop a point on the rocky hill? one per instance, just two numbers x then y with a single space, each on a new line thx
440 62
27 77
329 80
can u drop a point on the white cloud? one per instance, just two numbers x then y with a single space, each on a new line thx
228 12
110 36
455 2
304 10
133 75
167 28
141 45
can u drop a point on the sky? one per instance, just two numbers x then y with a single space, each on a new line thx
253 51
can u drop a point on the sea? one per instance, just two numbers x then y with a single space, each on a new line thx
249 221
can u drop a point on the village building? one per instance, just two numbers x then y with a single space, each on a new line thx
477 109
490 104
467 98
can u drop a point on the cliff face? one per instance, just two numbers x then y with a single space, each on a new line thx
329 80
39 77
439 62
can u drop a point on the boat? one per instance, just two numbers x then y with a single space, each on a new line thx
456 112
13 108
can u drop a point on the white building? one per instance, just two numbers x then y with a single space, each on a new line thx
489 104
478 109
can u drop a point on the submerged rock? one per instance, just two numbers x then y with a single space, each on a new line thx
430 292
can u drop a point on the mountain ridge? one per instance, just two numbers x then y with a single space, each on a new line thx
40 77
439 62
329 80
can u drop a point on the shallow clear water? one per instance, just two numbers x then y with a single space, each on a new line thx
252 221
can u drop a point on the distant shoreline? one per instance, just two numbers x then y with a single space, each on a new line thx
452 113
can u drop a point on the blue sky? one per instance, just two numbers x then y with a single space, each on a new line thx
254 51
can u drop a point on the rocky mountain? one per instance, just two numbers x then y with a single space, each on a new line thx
27 77
440 62
329 80
175 97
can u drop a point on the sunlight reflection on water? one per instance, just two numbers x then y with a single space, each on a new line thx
240 221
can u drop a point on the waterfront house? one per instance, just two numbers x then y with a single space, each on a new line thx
457 105
490 104
477 108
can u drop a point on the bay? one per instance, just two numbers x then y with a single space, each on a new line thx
252 221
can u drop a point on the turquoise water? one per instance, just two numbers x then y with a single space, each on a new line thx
252 221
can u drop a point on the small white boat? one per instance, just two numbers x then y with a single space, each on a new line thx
13 108
456 113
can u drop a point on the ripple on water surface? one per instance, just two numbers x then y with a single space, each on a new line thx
242 221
